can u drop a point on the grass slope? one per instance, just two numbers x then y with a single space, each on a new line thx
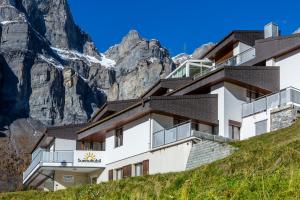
264 167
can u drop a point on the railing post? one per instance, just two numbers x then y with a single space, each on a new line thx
190 128
164 137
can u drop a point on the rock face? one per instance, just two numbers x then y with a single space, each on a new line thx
53 72
56 74
202 50
139 64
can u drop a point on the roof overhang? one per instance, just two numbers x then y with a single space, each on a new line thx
162 86
274 47
112 107
245 36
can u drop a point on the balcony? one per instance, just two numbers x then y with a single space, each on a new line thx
286 96
54 159
240 58
181 132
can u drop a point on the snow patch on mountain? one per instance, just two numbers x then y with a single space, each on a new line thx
106 62
51 61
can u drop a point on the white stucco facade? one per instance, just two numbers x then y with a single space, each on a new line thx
248 124
230 100
136 140
289 68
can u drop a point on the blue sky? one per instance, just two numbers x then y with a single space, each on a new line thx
179 24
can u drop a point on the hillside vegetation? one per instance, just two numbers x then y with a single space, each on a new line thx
264 167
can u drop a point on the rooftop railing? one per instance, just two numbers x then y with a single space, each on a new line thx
284 97
241 58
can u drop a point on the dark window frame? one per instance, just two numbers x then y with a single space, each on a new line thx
119 136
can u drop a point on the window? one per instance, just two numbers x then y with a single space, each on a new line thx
93 180
177 121
261 127
98 146
86 145
138 169
119 174
119 137
234 130
251 95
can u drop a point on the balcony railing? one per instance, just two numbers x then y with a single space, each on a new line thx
62 157
174 134
286 96
74 158
240 58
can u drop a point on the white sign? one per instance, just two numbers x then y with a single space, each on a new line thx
89 158
68 179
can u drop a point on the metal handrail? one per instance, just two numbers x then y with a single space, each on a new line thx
39 159
189 121
266 97
236 56
163 131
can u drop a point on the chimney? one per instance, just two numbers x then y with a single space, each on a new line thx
271 30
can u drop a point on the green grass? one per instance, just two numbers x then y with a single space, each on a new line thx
264 167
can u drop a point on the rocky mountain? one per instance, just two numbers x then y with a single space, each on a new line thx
139 64
56 74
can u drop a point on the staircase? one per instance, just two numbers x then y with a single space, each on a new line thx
207 151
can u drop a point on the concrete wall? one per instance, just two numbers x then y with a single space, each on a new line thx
171 159
248 124
230 100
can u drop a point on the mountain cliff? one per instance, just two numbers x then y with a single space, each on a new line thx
56 74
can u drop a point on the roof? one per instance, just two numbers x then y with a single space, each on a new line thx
261 78
162 86
246 36
274 47
65 131
111 107
202 108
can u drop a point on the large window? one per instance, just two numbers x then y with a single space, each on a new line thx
138 169
119 137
